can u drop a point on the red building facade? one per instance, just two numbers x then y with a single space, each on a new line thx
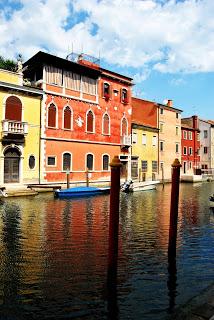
190 145
85 118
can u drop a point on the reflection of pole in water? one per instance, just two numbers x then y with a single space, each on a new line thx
173 233
113 238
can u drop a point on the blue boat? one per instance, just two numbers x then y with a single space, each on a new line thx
76 192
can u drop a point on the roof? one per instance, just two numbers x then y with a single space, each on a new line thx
41 58
169 108
31 90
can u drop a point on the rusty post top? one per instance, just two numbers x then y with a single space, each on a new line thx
176 163
115 162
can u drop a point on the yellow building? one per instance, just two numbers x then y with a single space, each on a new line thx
144 152
20 107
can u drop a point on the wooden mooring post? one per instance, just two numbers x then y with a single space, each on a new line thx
87 177
68 178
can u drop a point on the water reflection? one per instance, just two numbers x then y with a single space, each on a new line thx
54 256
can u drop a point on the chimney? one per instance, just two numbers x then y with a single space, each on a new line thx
170 103
195 122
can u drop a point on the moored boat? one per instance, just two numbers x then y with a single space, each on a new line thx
130 186
76 192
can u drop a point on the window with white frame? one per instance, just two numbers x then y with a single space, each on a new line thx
134 137
177 147
90 121
176 131
90 161
190 151
205 134
190 135
161 145
161 127
106 124
185 150
185 134
51 160
52 114
154 166
71 80
66 161
105 162
89 85
144 139
154 141
67 118
144 165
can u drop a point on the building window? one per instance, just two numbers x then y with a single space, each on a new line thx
176 131
106 90
154 166
124 127
190 135
185 150
190 151
106 124
198 136
51 161
66 161
161 145
205 150
154 141
90 161
13 109
144 139
185 135
205 134
124 96
190 165
144 165
90 121
161 127
176 147
134 137
161 110
52 116
177 115
105 162
32 162
67 118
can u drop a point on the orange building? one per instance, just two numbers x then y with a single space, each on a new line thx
85 120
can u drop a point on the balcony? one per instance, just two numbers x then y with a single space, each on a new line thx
125 141
14 127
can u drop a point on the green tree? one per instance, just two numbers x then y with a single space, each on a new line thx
7 64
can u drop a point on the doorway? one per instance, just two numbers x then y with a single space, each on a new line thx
11 165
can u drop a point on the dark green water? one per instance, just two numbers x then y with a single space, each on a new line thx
54 255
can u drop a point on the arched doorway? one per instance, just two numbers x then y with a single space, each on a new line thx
11 165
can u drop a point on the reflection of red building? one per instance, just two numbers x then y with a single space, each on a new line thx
85 117
190 143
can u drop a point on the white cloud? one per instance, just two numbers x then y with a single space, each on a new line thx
168 36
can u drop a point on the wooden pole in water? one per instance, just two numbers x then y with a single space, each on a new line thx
68 179
114 219
174 208
162 171
87 177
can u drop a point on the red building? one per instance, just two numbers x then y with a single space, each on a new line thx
190 144
85 117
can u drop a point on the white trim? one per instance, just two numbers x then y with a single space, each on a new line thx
51 165
81 141
86 161
71 163
106 154
49 104
109 125
94 118
71 120
74 97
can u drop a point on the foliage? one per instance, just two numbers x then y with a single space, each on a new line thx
7 64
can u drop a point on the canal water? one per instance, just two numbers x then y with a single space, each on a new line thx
54 255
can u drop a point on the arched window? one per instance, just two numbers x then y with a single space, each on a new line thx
105 162
90 121
52 116
67 123
106 124
90 161
124 127
13 110
66 161
124 96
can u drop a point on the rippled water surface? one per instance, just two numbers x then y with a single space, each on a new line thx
54 255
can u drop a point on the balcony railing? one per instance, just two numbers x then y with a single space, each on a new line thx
125 141
14 127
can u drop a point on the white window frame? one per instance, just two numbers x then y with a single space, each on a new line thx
86 161
106 154
144 139
121 126
190 135
67 105
134 137
71 165
109 125
52 102
94 118
51 165
154 141
185 149
32 155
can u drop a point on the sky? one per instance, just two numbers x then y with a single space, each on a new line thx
166 46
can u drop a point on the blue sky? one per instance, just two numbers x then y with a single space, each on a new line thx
166 46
